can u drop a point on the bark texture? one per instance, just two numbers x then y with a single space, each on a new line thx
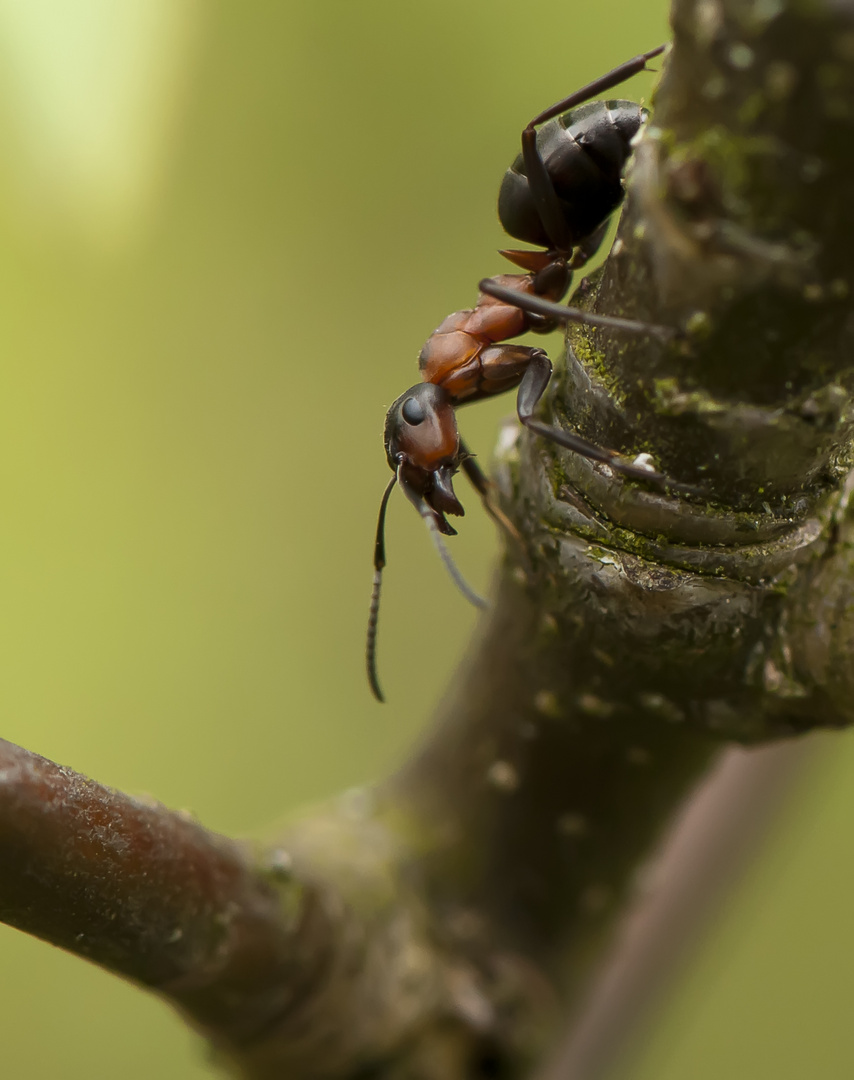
737 230
440 925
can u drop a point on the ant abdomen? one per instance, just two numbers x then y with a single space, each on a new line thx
584 151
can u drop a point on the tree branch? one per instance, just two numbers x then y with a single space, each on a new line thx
715 836
737 229
150 895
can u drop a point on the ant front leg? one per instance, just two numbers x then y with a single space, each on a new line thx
542 187
531 389
486 489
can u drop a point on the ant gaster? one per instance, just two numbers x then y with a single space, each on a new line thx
558 194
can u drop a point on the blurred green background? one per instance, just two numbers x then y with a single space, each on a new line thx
225 232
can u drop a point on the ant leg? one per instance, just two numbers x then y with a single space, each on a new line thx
585 251
531 389
544 194
593 89
539 181
485 488
536 305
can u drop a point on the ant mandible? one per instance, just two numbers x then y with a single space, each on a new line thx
559 194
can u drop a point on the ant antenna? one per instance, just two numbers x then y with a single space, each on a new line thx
429 518
373 616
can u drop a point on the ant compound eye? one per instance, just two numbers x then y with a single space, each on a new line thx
412 411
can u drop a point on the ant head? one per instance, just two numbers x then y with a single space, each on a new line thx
422 445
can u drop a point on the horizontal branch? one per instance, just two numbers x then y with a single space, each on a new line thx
303 961
147 893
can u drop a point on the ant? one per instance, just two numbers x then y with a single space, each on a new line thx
559 195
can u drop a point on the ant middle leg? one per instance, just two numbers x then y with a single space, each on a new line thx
531 389
537 305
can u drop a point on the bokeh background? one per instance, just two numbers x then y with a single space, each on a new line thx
225 231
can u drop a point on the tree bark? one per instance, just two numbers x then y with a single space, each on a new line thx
441 924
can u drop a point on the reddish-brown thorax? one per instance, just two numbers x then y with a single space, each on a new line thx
453 356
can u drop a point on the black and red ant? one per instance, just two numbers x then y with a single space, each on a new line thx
558 194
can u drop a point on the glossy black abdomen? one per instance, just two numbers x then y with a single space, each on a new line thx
585 151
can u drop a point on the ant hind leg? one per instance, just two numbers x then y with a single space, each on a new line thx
593 89
541 185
